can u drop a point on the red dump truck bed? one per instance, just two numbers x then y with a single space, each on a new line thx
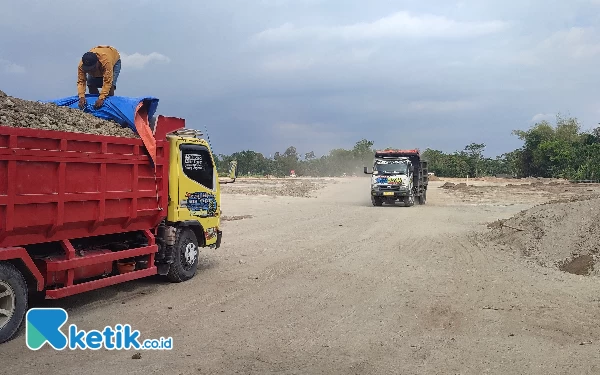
396 153
57 185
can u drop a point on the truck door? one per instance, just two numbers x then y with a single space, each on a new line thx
198 189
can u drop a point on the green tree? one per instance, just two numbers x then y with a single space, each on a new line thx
309 156
549 150
475 157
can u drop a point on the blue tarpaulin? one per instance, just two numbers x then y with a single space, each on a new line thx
120 109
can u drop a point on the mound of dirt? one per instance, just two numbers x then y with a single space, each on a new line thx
433 178
21 113
563 234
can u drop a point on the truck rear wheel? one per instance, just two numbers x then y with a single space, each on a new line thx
423 197
185 256
13 301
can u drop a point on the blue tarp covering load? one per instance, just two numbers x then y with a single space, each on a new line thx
134 113
120 109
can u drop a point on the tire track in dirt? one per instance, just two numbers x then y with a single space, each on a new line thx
325 331
309 257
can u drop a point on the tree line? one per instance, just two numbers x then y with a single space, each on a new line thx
560 150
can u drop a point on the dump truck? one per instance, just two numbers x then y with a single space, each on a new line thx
80 212
398 175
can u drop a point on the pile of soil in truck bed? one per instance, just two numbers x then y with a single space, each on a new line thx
21 113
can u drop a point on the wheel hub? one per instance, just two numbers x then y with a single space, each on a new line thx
7 303
190 253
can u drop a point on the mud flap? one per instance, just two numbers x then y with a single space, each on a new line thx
219 238
163 269
165 263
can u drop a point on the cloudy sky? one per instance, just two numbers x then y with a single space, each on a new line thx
321 74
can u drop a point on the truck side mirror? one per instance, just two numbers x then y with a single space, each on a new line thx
232 173
233 169
366 171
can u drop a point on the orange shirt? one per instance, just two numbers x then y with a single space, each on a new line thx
108 57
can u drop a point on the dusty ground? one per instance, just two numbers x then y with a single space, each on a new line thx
333 285
288 187
20 113
527 191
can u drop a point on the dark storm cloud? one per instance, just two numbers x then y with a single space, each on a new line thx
319 74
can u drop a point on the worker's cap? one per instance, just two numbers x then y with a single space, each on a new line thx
89 60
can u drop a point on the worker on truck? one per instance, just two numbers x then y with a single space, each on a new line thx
99 68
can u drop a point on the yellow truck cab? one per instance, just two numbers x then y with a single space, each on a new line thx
194 210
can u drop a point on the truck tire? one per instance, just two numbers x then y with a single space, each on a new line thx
185 256
409 200
423 197
376 201
13 300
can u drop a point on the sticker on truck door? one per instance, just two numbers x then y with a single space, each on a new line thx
201 204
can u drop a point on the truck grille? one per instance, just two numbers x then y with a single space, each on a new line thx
389 187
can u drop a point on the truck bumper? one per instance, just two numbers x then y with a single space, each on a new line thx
389 194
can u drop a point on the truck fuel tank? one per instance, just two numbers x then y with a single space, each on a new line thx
58 278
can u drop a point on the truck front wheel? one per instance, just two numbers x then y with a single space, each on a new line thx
409 200
185 256
376 201
13 300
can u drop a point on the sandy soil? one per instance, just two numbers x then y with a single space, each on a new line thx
330 284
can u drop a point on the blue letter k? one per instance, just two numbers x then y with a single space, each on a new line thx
43 325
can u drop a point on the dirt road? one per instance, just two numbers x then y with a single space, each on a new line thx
333 285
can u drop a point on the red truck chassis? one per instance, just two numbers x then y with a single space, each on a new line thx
71 204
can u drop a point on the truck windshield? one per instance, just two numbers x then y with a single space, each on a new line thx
400 168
